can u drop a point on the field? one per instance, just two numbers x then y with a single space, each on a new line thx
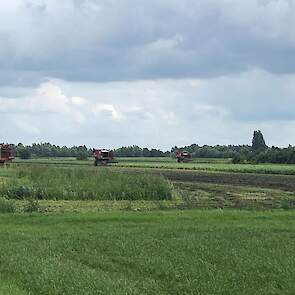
210 165
52 183
146 226
191 252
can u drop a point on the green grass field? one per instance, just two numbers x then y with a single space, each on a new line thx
210 165
190 252
124 188
144 227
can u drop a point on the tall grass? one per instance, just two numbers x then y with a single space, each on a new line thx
7 206
53 183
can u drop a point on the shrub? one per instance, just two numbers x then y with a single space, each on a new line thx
83 155
236 159
24 153
32 206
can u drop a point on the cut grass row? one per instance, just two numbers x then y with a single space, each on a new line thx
191 252
208 195
63 206
282 182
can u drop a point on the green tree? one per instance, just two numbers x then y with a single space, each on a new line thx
258 143
82 155
24 153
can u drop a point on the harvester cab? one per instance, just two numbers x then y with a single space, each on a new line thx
183 157
6 155
103 157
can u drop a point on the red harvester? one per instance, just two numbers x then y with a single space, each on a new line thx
183 156
103 157
5 154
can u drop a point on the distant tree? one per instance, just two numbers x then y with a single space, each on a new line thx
236 159
82 155
258 143
136 151
24 153
146 152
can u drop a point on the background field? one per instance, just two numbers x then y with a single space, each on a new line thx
218 165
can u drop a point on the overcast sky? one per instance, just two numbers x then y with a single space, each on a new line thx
155 73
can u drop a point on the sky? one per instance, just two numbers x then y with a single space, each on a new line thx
157 73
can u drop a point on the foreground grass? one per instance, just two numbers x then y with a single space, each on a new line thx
191 252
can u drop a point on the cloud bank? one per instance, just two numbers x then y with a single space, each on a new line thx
155 73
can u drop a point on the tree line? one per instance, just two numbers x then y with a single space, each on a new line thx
136 151
257 152
47 150
217 151
261 153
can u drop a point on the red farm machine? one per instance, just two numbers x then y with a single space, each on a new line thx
6 155
183 157
103 157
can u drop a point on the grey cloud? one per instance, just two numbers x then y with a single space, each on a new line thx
255 96
160 113
158 72
132 40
